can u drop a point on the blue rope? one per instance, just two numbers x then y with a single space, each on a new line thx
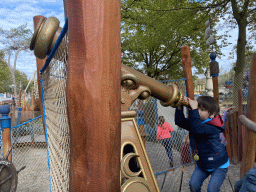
172 168
26 122
46 134
56 45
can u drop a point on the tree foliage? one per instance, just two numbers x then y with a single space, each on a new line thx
153 33
240 13
6 77
15 40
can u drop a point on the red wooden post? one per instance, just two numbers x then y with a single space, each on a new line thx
186 64
215 88
249 145
94 95
227 135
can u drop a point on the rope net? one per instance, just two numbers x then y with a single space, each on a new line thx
56 121
29 149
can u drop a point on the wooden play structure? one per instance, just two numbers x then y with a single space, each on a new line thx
136 172
85 93
105 151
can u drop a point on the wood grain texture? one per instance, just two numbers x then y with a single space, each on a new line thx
186 64
249 144
93 95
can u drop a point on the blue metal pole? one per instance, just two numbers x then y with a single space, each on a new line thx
5 129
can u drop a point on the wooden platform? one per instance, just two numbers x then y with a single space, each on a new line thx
177 180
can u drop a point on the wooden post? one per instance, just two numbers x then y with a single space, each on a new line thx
233 136
215 89
228 135
65 3
94 95
249 145
214 71
239 125
6 127
40 63
186 64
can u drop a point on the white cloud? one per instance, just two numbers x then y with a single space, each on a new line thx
14 13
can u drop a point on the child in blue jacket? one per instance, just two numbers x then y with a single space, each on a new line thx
205 125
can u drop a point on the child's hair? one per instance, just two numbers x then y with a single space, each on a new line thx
209 104
161 120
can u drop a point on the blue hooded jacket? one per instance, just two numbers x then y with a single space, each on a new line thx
206 136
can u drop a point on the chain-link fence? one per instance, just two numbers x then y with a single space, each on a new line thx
228 97
29 149
163 153
231 98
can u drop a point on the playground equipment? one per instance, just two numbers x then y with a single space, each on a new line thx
97 112
8 173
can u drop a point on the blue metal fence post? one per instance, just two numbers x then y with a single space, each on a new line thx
5 128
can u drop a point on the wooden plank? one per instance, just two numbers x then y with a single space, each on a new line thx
233 136
160 179
248 159
239 125
226 187
186 178
233 174
228 135
173 180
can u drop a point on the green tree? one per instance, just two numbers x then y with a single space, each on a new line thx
6 77
153 33
240 13
15 40
4 73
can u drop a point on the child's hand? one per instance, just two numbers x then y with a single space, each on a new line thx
193 103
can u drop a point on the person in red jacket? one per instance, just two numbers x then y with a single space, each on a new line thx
163 134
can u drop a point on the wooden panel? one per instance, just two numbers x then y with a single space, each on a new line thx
227 135
233 136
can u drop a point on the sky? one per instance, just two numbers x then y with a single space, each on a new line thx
14 13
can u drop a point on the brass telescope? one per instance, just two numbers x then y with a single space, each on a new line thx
134 84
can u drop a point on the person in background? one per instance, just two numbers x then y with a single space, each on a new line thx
163 134
185 151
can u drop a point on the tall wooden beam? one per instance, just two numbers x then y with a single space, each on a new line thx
94 95
249 144
186 64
